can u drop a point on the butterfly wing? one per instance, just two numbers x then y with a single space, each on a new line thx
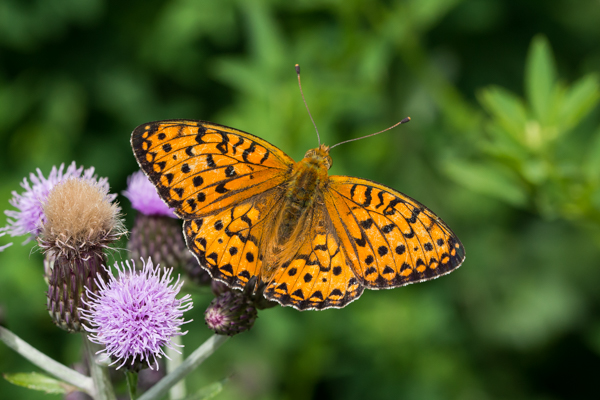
199 167
390 239
227 243
319 275
222 181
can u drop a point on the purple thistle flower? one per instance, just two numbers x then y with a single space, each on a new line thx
143 196
136 314
30 218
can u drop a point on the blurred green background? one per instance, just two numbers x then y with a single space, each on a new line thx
504 145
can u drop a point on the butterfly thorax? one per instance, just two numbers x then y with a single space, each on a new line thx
308 179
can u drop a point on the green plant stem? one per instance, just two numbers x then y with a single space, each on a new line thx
190 363
132 381
104 389
82 382
174 360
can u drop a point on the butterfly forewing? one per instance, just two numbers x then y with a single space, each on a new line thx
199 167
391 240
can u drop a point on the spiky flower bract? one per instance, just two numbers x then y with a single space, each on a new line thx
30 216
144 198
135 314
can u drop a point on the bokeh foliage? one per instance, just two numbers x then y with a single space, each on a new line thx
504 145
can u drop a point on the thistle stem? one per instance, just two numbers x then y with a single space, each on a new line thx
46 363
132 380
174 360
104 389
187 366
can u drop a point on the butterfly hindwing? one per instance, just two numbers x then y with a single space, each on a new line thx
318 276
391 240
227 243
199 167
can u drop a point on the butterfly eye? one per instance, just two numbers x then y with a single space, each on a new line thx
328 162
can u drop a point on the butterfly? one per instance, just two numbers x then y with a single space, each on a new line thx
312 240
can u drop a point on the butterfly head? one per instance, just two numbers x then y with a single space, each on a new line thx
321 155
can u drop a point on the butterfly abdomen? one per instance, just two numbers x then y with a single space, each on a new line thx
294 218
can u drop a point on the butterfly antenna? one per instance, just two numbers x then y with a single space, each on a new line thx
303 99
405 120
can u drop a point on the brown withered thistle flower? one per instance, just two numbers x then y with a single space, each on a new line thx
81 222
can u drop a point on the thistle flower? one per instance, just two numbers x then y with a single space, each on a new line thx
135 314
142 194
80 216
30 216
81 222
156 233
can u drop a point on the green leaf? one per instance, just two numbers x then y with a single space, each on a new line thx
579 100
540 77
37 381
507 109
592 164
489 179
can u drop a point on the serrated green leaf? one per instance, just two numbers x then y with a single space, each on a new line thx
507 109
579 100
489 179
503 146
37 381
540 77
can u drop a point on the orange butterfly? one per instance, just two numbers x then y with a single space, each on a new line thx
316 241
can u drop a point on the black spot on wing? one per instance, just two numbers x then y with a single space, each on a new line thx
197 180
239 143
262 160
366 224
210 161
244 274
222 146
230 171
368 198
227 268
362 241
221 188
248 151
380 197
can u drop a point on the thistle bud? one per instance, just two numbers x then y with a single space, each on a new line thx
158 237
69 276
230 313
157 232
218 287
